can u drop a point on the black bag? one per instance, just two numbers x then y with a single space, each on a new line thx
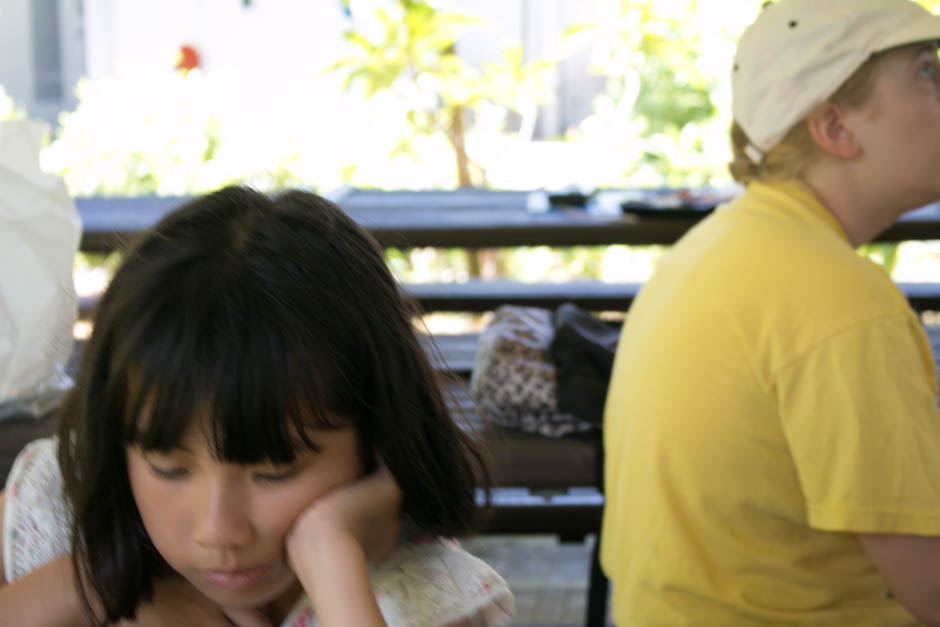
583 351
518 385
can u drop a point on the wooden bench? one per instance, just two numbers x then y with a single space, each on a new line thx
465 218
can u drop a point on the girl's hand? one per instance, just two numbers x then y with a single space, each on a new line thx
334 539
367 511
176 603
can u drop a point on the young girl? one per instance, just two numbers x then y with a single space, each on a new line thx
256 437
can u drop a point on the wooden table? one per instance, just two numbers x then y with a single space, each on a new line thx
462 218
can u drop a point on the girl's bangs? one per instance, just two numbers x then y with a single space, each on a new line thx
236 369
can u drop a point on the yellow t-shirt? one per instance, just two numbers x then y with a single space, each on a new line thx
772 395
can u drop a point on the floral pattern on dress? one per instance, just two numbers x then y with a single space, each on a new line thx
37 518
428 583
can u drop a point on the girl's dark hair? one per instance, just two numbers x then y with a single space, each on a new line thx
271 314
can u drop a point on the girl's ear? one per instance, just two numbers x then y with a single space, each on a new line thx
831 133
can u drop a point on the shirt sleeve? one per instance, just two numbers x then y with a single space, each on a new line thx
37 519
859 412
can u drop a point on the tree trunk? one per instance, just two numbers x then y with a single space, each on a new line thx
458 140
475 260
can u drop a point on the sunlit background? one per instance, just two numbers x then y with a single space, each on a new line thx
176 97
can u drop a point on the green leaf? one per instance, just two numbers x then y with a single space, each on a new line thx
358 39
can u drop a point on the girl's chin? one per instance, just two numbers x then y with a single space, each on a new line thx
276 593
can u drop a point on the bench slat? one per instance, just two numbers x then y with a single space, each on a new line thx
462 218
482 296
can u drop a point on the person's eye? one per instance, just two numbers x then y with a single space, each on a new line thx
929 70
168 473
276 476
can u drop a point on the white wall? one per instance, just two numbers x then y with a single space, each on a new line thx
252 52
242 49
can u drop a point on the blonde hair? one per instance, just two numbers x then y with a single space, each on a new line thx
797 150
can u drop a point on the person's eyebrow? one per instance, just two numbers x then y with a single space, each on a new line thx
916 52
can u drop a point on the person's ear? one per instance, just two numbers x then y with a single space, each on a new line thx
828 127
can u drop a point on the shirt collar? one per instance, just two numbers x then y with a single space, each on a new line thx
802 195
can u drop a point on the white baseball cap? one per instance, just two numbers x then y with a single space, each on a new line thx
797 53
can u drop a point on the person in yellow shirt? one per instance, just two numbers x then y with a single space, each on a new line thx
771 430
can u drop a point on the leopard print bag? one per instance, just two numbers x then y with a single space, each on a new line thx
514 379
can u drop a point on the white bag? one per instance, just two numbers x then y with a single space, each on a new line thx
39 236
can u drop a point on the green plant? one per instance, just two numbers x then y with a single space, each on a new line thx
156 137
665 105
415 58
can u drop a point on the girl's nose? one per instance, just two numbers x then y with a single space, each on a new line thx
223 521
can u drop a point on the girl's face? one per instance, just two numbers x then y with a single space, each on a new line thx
223 526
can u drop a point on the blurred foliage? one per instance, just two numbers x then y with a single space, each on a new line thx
885 254
661 119
414 56
155 137
416 115
666 105
649 57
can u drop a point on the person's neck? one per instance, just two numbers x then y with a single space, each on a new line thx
862 206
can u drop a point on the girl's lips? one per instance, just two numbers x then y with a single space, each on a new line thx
237 579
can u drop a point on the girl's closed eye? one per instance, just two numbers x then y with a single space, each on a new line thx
278 475
168 472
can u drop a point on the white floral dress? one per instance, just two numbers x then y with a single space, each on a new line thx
422 584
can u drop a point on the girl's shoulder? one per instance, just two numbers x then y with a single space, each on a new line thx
37 519
430 582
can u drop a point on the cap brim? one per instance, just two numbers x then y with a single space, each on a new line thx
926 28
